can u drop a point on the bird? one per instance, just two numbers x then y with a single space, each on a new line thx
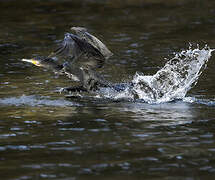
76 74
84 53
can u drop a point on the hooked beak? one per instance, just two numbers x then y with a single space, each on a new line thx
33 61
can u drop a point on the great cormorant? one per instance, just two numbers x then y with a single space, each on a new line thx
84 53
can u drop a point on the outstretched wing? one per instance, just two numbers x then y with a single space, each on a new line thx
65 48
76 48
94 41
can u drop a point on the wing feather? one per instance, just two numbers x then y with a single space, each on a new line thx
94 41
73 46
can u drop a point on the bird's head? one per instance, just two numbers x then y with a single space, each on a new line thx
37 61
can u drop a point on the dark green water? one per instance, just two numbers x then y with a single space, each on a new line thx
44 135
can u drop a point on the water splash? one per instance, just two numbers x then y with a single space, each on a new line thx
171 82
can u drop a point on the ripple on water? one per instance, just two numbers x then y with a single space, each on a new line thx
35 101
7 135
199 101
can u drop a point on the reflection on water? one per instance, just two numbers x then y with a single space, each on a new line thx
162 114
44 135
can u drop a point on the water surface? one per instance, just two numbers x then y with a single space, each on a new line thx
44 135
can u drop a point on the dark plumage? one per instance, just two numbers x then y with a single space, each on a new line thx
95 42
84 53
80 52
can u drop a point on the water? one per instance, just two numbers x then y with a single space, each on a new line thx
171 82
166 133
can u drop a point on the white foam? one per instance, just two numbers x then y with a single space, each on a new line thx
171 82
